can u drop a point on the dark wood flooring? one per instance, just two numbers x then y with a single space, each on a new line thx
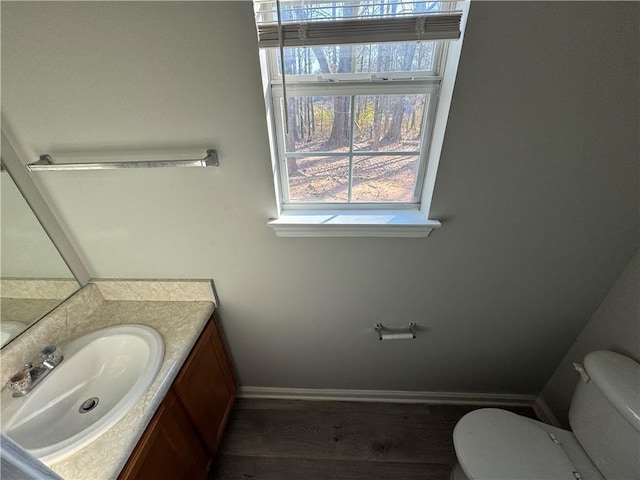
310 440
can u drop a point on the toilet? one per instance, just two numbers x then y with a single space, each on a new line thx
604 444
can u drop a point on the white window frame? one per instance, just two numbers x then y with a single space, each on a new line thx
363 219
390 87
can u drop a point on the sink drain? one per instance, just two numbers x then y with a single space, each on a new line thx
88 405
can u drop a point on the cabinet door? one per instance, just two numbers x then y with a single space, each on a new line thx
206 386
169 449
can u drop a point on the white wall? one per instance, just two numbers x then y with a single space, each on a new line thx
614 326
538 188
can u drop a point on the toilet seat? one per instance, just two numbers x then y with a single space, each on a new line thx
493 444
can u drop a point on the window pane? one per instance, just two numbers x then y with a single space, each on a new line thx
370 58
395 57
318 179
384 178
391 123
295 10
318 124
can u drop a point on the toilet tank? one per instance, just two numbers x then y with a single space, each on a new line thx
605 414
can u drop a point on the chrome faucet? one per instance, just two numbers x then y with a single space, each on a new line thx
24 381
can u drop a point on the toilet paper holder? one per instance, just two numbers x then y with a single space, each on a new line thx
395 333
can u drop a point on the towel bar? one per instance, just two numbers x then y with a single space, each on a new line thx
45 163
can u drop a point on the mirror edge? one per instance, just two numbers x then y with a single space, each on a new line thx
34 198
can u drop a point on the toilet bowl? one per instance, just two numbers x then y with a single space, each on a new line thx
604 444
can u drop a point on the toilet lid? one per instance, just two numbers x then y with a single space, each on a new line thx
493 444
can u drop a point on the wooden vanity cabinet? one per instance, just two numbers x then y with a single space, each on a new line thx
170 447
206 386
185 432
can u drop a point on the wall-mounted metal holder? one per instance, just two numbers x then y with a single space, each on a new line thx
45 163
395 333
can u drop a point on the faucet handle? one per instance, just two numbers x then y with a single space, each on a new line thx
51 356
20 383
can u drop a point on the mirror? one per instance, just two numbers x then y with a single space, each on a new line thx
34 279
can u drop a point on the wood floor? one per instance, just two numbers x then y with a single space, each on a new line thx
308 440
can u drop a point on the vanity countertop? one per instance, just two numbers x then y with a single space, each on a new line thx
102 304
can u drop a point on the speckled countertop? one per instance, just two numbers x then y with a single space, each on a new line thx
106 303
23 301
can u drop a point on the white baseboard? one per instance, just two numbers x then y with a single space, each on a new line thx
389 396
544 413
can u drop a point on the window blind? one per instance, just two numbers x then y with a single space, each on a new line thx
313 24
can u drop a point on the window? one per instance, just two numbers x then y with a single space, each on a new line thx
353 120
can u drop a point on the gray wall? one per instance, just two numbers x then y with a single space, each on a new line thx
538 189
615 326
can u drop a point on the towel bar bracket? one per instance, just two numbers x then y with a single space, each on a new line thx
211 160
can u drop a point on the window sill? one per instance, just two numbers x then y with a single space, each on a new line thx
337 223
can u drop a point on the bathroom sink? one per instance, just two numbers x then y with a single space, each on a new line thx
101 378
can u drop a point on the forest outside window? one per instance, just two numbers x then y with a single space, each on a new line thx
352 119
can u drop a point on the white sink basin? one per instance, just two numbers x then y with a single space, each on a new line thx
102 376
